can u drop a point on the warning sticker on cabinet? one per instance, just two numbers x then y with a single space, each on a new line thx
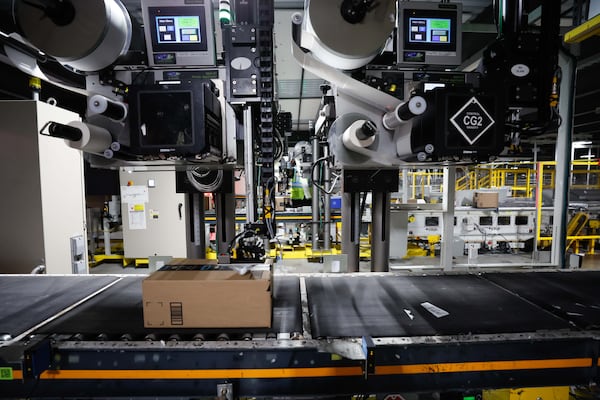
137 216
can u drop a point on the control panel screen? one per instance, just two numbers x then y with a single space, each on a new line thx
430 33
429 30
179 32
178 29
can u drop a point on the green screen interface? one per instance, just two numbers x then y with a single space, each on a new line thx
429 30
178 29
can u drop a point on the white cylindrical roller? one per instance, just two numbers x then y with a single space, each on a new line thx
341 44
354 140
98 104
94 139
404 112
96 35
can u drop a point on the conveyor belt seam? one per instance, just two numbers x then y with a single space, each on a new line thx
59 314
306 328
546 310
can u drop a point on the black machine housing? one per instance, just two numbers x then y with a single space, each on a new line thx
176 119
477 132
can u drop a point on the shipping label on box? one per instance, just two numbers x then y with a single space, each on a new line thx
207 296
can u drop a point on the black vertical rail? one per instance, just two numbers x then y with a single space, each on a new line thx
548 56
267 81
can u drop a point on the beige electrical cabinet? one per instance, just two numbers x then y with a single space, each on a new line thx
42 206
156 219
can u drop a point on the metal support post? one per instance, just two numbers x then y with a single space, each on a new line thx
315 197
563 159
106 233
449 197
380 248
225 214
538 197
351 229
201 226
251 205
196 232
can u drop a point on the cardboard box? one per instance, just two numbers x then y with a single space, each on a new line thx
198 294
485 199
280 203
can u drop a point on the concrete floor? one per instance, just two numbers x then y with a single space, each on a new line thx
483 261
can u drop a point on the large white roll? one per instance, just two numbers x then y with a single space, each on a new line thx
94 139
341 44
352 139
99 33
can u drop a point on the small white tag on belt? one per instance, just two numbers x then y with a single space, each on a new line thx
435 310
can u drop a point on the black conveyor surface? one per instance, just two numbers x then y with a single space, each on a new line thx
119 311
30 300
573 295
382 306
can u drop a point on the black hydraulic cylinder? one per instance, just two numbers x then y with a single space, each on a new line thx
64 131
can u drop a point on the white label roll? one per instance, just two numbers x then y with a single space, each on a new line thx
114 110
94 139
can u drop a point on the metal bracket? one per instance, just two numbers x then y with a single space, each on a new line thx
225 391
369 350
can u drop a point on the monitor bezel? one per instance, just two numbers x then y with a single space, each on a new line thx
429 14
434 55
178 11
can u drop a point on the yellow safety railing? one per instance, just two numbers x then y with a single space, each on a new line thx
465 182
579 225
521 177
421 179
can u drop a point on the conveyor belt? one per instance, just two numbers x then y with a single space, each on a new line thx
390 306
29 300
573 295
118 311
477 331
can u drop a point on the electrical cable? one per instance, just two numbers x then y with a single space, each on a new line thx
319 186
483 232
235 238
300 99
194 175
271 203
279 147
143 73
